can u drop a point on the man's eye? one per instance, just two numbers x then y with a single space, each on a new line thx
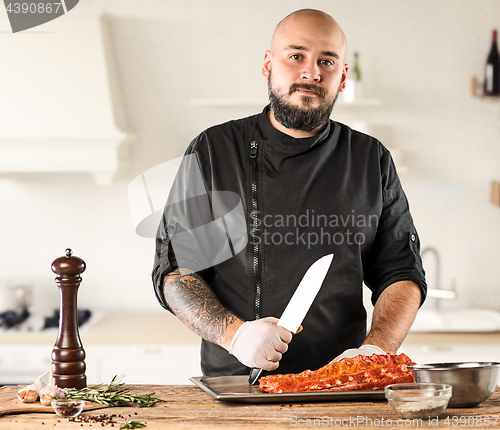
296 57
327 62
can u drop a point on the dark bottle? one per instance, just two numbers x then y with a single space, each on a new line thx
492 71
356 70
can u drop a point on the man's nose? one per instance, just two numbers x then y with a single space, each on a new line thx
310 72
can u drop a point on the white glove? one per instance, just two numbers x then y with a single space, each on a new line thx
260 343
362 350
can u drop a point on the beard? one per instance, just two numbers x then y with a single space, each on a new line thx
304 118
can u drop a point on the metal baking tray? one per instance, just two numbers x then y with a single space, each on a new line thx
237 389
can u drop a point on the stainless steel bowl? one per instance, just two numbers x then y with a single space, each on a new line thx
472 382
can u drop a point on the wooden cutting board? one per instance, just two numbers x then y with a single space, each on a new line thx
10 404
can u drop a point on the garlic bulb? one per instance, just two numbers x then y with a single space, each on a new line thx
50 391
29 393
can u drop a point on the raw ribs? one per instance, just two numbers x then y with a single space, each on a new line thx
349 374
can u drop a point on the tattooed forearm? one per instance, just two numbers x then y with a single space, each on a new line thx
196 305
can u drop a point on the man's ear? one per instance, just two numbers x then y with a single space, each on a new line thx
266 66
344 77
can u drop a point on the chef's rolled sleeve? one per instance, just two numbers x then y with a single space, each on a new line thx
164 262
395 252
184 238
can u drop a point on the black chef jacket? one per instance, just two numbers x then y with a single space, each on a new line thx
337 192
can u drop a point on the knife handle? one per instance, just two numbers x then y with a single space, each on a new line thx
254 376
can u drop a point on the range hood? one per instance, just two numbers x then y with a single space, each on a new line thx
58 112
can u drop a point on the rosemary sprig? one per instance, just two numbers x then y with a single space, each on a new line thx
131 424
113 394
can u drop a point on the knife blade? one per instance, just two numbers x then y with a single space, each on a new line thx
301 301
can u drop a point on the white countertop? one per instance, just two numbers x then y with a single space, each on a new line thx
165 328
453 337
156 327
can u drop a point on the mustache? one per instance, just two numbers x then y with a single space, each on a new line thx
316 89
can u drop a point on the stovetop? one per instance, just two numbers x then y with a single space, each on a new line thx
23 320
13 319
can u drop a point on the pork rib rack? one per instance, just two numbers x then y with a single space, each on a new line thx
349 374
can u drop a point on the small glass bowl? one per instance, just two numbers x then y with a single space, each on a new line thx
418 400
67 408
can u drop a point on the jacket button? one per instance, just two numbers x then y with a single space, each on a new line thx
413 237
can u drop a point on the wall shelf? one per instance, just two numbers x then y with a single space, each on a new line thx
359 103
477 91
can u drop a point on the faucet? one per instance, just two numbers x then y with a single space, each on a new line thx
436 257
437 292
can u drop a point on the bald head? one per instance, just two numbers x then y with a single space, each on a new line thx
309 22
305 69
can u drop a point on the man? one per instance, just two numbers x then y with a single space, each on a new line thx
309 187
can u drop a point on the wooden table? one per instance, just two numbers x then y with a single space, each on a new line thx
188 407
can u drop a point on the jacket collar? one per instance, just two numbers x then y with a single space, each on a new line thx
271 133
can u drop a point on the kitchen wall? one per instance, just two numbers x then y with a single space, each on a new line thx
417 59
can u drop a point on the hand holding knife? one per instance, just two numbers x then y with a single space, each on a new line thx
260 343
299 304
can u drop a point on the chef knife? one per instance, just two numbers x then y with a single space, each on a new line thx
301 301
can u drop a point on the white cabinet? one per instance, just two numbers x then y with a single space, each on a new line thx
452 352
20 363
139 363
448 352
144 363
148 348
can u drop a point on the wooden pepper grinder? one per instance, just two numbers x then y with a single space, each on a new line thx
68 355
